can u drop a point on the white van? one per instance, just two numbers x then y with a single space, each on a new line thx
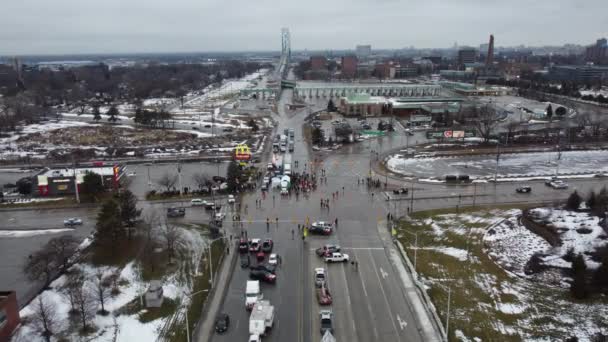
252 293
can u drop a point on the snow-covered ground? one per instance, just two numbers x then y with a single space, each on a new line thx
495 303
510 165
579 231
117 327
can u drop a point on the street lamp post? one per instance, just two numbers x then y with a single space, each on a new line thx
210 262
187 324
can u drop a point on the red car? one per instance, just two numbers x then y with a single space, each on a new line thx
260 255
323 295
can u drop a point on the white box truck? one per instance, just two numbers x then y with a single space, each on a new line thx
261 320
252 293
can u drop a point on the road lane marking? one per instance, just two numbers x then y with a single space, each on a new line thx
402 323
369 305
384 295
384 273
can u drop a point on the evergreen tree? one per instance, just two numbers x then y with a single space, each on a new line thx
317 136
549 112
592 200
574 201
92 184
331 107
128 210
109 228
578 288
113 113
96 113
232 176
600 276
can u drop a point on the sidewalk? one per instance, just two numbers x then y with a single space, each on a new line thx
428 322
205 326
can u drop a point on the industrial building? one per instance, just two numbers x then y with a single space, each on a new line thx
362 104
579 73
467 56
60 181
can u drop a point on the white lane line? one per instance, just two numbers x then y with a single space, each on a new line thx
369 305
384 273
384 295
348 303
402 323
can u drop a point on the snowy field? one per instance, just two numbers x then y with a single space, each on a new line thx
510 165
119 325
479 257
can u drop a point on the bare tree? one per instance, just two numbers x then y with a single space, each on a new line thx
486 121
113 279
74 281
45 318
85 305
171 235
101 289
201 179
63 248
41 265
167 180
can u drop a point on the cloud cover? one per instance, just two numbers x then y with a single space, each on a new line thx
108 26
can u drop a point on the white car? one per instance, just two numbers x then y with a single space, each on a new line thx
558 184
337 257
231 199
272 259
197 202
320 276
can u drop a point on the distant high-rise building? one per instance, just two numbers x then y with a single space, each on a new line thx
467 56
349 66
490 55
597 53
363 51
318 63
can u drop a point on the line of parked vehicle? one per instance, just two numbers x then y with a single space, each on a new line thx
330 253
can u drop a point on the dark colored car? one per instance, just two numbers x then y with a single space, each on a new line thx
243 246
264 267
400 191
267 246
524 189
176 212
327 250
222 322
263 275
219 179
245 261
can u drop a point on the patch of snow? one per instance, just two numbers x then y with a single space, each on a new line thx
34 232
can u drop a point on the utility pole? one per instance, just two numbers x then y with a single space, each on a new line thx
447 319
412 198
76 180
179 177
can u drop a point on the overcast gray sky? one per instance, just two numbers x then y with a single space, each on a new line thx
108 26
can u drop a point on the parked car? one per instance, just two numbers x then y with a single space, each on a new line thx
195 202
320 276
326 321
243 245
265 267
245 260
323 295
400 191
254 245
327 250
209 205
267 246
260 255
231 199
524 189
336 257
262 275
222 322
72 221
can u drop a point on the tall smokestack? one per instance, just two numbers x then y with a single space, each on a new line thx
490 55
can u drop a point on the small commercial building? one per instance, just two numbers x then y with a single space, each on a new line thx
9 314
362 104
468 89
60 181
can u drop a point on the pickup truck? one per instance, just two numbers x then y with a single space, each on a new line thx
336 257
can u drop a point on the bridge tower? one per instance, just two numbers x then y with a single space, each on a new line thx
286 43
